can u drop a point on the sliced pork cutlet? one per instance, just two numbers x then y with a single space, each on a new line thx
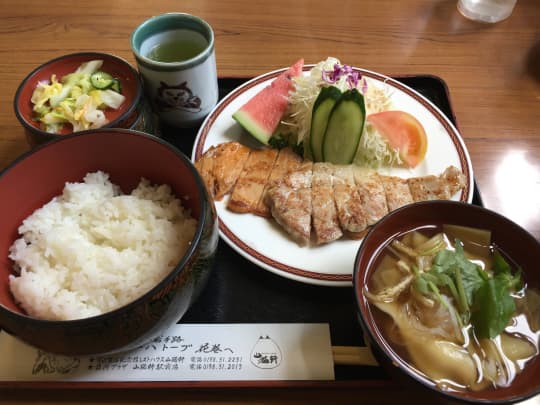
229 159
441 187
290 203
324 214
350 212
251 182
371 190
204 166
220 167
397 192
455 179
286 161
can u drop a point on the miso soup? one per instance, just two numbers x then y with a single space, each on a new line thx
452 304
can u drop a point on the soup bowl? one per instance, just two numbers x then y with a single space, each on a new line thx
134 113
513 240
127 156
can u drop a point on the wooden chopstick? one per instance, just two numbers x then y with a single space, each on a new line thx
353 356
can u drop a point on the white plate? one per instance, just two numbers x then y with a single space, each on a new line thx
262 242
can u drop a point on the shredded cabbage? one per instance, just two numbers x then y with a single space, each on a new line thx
373 150
306 90
111 98
73 100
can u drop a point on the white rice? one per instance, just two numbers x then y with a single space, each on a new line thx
94 249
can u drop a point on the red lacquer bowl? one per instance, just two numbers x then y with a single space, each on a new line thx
123 117
126 156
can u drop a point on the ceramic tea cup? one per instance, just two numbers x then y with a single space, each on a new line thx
176 58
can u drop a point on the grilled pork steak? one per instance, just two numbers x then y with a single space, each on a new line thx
314 202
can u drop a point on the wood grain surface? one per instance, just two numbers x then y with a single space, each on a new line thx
492 72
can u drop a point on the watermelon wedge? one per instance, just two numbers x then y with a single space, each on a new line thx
261 115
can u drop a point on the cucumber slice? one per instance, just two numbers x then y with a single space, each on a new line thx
322 107
116 86
101 80
344 129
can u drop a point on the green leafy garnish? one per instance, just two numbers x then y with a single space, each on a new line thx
492 309
278 141
281 140
461 277
484 300
503 271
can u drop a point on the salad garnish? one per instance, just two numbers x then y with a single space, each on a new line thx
373 150
333 113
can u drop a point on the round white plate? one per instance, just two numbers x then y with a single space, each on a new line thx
264 243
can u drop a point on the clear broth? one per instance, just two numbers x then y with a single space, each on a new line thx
518 326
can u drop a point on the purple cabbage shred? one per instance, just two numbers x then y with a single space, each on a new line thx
364 86
352 76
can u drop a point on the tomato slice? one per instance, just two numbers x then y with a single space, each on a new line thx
404 132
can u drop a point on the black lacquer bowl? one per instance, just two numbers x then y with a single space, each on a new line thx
511 238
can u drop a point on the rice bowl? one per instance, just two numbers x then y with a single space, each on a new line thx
93 249
41 174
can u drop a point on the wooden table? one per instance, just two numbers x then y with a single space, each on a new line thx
492 71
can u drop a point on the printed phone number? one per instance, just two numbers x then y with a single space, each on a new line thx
216 363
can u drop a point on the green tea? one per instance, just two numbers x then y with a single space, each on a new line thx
178 48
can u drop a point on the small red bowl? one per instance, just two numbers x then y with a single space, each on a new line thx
122 117
515 241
